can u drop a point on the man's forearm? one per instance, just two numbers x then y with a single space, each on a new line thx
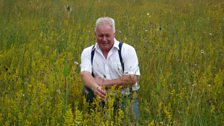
89 80
124 80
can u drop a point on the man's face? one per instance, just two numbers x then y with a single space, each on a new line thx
105 37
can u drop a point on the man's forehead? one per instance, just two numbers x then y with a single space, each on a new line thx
104 28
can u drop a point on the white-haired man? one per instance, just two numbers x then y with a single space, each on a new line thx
109 63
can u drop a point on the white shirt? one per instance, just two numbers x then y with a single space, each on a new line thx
110 67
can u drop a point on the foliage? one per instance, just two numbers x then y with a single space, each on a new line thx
179 44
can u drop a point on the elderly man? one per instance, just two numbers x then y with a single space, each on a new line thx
109 63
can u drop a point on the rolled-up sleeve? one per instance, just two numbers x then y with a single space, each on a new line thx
86 60
131 65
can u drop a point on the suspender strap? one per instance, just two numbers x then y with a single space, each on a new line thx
119 52
92 55
121 59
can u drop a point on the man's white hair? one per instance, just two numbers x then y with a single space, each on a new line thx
105 20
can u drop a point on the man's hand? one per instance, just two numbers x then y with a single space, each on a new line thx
99 81
129 79
98 91
92 83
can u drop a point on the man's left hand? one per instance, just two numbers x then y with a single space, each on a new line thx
99 80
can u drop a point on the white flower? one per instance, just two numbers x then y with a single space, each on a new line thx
202 51
148 15
76 63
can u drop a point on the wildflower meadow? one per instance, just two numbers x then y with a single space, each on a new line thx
179 43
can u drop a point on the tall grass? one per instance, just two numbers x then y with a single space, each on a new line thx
179 44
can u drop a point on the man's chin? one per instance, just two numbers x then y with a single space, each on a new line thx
105 48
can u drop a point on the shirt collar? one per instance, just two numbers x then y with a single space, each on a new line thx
116 43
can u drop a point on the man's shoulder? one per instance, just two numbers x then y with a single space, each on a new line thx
127 47
88 49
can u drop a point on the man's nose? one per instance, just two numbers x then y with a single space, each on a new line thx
104 38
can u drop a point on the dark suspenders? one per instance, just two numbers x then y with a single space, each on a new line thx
119 53
92 55
121 59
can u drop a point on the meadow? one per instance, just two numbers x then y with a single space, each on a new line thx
179 43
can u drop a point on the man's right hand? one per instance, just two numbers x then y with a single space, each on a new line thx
99 92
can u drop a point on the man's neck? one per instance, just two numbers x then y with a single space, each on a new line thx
106 52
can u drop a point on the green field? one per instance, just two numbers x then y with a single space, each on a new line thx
180 46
